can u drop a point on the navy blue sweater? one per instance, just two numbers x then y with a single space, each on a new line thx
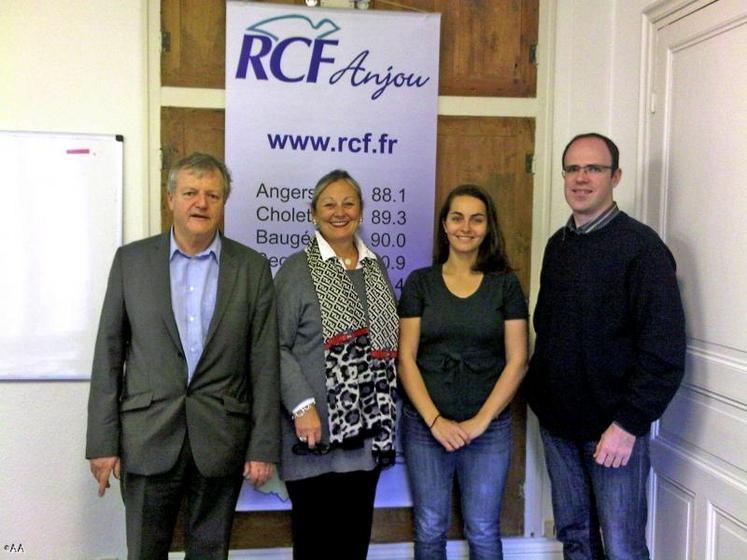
610 330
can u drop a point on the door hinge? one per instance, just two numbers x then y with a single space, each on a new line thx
166 152
165 41
529 163
533 54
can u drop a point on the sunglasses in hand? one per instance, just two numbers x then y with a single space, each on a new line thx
302 448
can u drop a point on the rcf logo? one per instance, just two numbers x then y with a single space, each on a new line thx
262 46
297 58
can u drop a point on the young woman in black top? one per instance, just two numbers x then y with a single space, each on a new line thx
463 354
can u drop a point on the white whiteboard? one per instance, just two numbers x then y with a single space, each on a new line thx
61 224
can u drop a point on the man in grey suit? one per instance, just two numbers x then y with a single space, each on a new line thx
184 389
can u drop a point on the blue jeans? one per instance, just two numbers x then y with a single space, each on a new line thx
481 468
598 509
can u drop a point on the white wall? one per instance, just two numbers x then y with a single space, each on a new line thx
73 66
597 85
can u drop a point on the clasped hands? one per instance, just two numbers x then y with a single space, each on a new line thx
453 435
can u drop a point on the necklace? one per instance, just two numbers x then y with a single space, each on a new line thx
348 261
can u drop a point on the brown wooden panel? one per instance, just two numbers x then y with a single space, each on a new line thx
184 131
485 44
195 50
194 53
492 152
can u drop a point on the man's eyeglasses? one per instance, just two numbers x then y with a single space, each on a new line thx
302 448
593 169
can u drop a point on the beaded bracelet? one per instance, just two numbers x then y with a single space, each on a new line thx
303 410
430 427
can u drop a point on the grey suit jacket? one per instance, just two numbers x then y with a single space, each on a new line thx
140 406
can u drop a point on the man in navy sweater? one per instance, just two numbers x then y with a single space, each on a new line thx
609 356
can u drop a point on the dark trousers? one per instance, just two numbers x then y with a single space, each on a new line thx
152 504
332 515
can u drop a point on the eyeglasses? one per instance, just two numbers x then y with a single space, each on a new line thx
593 169
302 448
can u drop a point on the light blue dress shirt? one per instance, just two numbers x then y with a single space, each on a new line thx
194 289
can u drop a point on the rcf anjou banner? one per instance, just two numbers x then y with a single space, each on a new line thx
311 90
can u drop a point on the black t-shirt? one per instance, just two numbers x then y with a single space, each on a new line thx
461 351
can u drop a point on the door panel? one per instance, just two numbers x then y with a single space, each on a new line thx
695 195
